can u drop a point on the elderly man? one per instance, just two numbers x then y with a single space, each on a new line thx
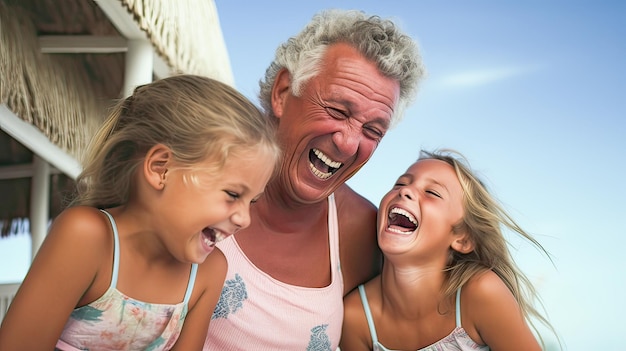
333 90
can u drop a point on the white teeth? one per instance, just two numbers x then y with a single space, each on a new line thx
207 242
399 231
219 236
404 213
319 173
326 160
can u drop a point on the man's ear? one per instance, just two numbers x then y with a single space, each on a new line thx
155 165
280 92
463 243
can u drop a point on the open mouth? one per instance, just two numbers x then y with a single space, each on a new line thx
322 166
212 236
401 221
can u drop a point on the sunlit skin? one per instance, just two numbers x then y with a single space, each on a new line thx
433 197
160 230
220 202
406 300
343 113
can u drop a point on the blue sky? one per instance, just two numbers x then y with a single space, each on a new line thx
533 93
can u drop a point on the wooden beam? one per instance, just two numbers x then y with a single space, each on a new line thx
25 170
82 44
39 203
121 19
88 44
29 136
126 25
139 65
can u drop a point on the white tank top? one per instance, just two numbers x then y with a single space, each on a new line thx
258 312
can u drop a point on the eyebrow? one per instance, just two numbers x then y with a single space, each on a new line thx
434 181
406 175
351 105
243 188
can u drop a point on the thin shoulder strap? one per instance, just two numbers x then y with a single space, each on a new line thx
116 250
368 314
333 240
192 281
458 307
116 260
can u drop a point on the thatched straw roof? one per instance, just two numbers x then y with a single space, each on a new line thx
186 34
65 95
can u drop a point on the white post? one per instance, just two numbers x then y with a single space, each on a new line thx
139 64
39 202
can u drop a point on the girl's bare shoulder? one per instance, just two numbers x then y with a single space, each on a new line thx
212 272
84 226
484 287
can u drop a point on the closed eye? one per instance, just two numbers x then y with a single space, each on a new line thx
374 133
402 181
232 194
336 113
370 131
432 192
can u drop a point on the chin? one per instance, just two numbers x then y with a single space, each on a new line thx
200 257
314 194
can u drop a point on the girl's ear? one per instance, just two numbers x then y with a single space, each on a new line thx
155 165
463 243
280 92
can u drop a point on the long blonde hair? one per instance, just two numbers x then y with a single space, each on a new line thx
483 220
195 116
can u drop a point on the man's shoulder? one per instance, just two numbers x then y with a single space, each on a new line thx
356 213
349 200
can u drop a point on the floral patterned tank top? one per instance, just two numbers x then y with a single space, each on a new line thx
118 322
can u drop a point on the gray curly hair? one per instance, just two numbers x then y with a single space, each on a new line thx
379 40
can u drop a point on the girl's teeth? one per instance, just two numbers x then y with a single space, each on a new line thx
207 241
219 236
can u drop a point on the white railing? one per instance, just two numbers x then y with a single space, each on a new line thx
7 292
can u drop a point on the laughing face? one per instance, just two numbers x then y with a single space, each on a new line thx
196 215
418 214
333 128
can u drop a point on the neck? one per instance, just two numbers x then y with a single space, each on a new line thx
412 291
136 226
281 213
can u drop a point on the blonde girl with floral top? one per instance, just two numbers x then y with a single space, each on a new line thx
132 263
